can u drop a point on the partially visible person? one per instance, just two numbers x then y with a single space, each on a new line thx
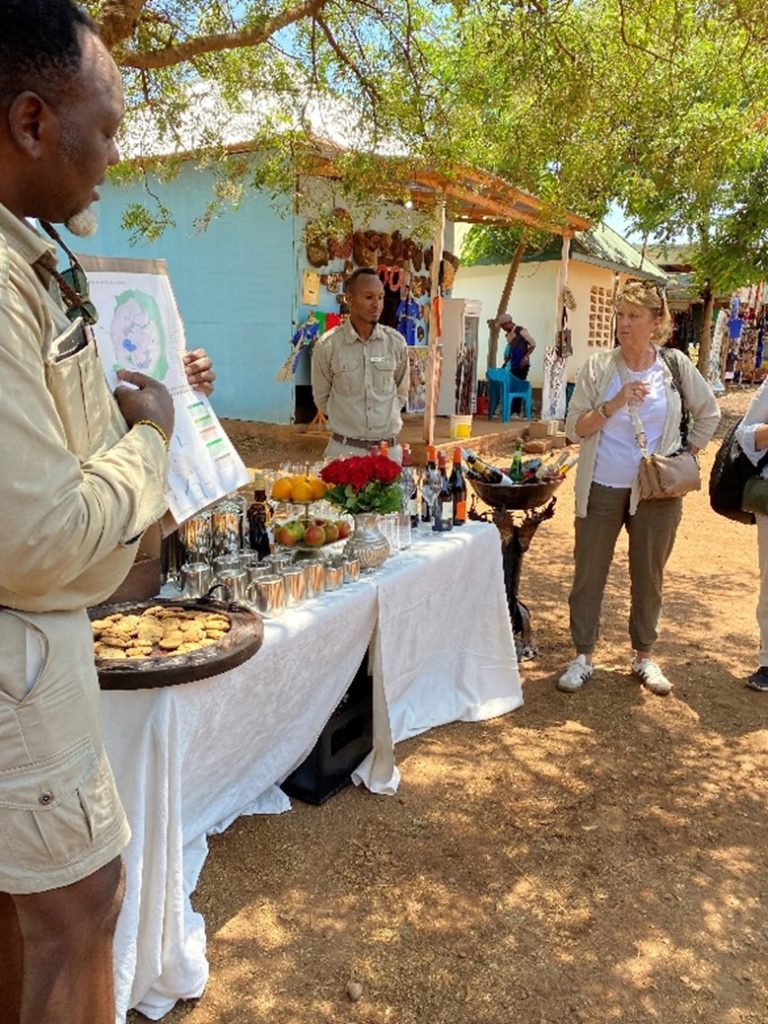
752 436
83 476
199 370
520 345
360 373
607 498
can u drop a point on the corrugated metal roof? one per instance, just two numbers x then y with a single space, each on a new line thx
603 247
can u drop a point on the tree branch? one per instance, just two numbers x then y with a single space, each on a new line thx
172 55
367 86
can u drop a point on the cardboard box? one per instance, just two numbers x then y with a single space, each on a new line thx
538 446
542 428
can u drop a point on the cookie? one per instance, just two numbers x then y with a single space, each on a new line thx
111 653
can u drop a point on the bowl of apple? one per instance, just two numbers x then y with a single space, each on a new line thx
311 533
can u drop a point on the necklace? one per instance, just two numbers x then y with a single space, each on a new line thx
647 360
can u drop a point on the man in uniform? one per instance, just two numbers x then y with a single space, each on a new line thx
360 373
83 476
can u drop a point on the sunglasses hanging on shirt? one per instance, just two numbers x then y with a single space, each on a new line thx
72 282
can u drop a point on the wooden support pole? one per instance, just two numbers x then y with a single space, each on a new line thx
434 349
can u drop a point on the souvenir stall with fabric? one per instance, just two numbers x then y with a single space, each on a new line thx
746 327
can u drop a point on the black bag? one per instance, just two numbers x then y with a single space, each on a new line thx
730 472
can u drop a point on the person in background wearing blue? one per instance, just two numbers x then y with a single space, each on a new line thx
520 344
517 353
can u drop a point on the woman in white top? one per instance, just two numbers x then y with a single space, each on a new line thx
752 436
607 495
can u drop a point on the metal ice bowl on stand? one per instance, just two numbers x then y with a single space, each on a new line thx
508 497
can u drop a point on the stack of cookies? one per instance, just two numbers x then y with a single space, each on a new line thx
156 632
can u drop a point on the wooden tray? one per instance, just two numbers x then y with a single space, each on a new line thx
240 643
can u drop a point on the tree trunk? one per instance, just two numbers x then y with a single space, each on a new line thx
705 336
493 337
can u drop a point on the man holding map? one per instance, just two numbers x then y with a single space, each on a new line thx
83 475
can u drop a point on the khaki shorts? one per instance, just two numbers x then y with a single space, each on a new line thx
60 815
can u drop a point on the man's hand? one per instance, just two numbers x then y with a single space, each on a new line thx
199 370
148 400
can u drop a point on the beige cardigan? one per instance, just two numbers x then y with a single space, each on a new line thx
591 386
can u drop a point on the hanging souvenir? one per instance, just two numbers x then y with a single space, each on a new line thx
317 249
310 291
407 316
363 254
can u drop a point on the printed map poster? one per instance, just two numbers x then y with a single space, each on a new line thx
139 328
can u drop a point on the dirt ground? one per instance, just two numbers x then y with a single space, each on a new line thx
596 857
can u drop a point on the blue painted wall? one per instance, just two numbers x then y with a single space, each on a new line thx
235 284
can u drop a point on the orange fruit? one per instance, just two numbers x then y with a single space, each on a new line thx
317 487
282 489
301 492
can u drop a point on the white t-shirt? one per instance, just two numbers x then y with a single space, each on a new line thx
618 454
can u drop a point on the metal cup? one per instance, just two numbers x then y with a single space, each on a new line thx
295 585
236 581
226 563
280 560
314 574
268 594
196 579
258 570
334 577
351 570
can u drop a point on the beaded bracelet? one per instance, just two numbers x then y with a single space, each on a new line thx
157 427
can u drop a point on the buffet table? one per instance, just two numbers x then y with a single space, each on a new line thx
189 759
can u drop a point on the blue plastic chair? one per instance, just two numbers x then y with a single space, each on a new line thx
499 394
520 389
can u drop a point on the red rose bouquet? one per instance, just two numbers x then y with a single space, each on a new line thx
366 483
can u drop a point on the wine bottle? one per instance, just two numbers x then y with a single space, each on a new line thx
428 485
516 469
408 485
548 469
442 502
258 517
458 490
483 471
490 474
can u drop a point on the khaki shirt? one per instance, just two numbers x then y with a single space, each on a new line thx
359 385
78 486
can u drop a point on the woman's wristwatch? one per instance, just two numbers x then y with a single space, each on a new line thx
603 410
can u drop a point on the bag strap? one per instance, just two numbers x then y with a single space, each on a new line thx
634 415
677 380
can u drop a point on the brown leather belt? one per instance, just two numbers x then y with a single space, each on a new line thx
359 442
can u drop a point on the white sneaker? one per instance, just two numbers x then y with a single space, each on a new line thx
577 673
651 675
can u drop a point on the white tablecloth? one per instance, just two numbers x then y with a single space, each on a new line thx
189 759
